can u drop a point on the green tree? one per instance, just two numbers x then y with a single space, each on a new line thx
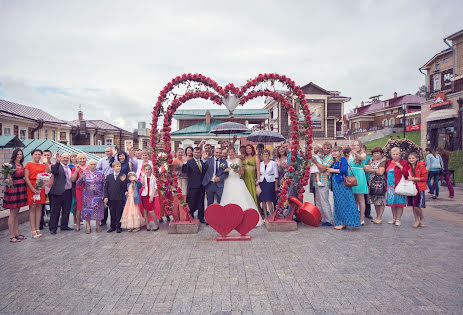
422 91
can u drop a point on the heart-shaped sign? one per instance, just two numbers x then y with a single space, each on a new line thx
224 219
250 220
309 214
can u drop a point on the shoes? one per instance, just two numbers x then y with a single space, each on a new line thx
391 222
423 223
103 224
417 224
327 224
118 230
368 217
363 223
155 229
98 229
397 222
67 228
164 219
340 227
203 221
376 221
53 232
111 230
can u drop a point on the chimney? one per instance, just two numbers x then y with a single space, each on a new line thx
80 115
362 104
395 94
208 118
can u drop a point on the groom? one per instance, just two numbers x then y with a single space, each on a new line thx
216 173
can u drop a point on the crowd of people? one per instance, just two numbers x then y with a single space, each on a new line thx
122 185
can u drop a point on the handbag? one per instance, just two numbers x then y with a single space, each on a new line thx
350 181
377 186
258 190
406 188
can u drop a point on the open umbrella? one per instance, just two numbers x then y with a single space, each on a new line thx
265 136
406 146
228 128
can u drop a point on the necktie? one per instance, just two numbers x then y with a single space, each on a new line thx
115 176
199 165
216 166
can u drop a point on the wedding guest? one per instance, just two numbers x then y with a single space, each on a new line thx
195 170
46 155
260 149
225 153
416 171
182 177
126 165
242 152
282 160
149 199
188 154
322 193
114 192
345 207
31 171
445 155
15 195
393 176
72 160
141 164
435 165
250 177
72 164
104 165
207 153
80 167
268 182
376 167
357 164
92 180
367 175
131 216
61 194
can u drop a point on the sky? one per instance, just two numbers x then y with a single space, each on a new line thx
113 57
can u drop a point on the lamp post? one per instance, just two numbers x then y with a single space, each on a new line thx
404 110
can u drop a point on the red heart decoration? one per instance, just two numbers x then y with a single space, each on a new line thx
250 220
224 219
309 214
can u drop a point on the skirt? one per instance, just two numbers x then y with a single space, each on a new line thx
131 217
16 196
418 201
268 191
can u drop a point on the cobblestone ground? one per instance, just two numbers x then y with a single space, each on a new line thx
375 269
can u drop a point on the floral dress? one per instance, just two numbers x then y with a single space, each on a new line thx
16 197
374 165
92 195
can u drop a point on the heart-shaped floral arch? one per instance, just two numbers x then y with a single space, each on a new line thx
200 86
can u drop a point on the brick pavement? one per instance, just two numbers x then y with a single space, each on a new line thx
375 269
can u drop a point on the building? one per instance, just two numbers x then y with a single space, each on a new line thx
441 113
327 109
193 125
32 123
385 115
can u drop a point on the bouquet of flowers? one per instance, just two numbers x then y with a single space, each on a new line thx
235 166
7 171
42 180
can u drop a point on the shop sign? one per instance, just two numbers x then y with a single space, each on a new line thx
441 100
413 128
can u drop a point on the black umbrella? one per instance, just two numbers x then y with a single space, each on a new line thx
228 128
266 136
406 146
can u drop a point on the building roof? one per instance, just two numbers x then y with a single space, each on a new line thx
20 111
92 148
10 142
455 35
221 113
429 62
53 146
312 88
390 103
97 124
198 129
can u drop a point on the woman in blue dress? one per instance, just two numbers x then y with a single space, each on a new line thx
357 162
345 209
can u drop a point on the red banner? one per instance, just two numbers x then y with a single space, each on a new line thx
413 128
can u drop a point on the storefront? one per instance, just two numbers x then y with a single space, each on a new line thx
441 124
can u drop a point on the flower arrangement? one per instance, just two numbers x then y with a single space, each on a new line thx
223 166
235 166
7 172
42 180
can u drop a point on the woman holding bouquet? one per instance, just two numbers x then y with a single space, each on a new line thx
35 189
15 194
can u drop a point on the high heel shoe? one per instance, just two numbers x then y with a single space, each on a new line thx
417 224
35 235
376 221
423 223
340 227
391 222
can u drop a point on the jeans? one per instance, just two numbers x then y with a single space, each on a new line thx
435 184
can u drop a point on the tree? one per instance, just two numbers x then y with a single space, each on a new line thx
422 91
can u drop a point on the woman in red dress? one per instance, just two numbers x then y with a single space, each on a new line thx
32 169
82 166
15 197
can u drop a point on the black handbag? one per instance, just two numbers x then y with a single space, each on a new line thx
377 186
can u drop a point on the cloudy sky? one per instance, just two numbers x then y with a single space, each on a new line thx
114 57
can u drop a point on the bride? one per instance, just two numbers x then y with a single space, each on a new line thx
235 190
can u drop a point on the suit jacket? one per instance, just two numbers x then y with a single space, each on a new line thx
219 172
195 175
114 189
59 179
269 173
421 171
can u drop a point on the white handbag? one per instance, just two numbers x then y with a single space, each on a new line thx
406 188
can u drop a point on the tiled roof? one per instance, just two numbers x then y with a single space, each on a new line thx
15 110
198 129
393 102
97 124
53 146
218 113
92 148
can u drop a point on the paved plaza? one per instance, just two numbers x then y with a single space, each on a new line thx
375 269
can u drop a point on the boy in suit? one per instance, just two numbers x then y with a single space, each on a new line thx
114 189
195 170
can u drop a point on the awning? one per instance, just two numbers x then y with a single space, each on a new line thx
442 114
418 113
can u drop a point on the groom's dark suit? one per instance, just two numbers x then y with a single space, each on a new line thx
214 188
195 193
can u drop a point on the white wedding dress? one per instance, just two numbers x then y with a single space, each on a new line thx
235 191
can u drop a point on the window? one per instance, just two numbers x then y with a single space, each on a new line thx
436 79
46 134
37 134
127 143
22 134
53 135
391 122
7 131
108 141
445 60
437 66
275 112
62 136
99 142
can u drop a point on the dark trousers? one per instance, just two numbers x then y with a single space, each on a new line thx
60 205
116 207
195 201
367 206
213 190
105 215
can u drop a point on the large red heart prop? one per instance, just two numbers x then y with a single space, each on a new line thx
250 220
224 219
309 214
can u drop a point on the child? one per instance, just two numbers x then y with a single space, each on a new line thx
149 202
131 217
314 169
114 188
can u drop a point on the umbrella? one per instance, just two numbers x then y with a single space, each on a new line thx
266 136
228 128
406 146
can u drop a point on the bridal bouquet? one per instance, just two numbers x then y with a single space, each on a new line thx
42 180
7 171
235 166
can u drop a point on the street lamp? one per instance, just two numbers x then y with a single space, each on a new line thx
404 110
